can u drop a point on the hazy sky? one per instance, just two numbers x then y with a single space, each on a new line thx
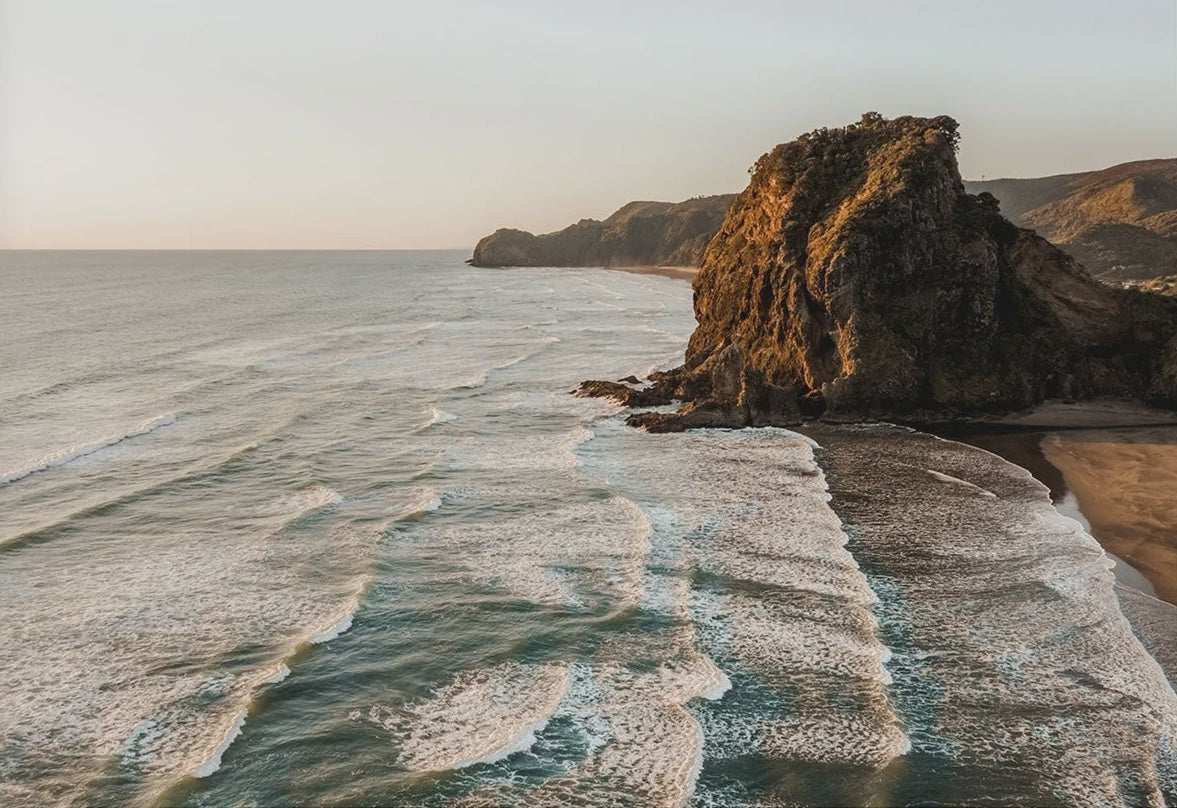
358 123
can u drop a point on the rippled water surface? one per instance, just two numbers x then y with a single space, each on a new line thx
327 528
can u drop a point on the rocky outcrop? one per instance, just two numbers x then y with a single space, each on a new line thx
1120 223
639 234
1164 285
856 279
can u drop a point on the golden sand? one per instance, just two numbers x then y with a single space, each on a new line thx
681 273
1125 481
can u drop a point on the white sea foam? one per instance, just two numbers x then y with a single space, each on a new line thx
122 496
480 378
62 457
439 416
424 501
605 543
214 760
948 478
125 622
651 746
480 717
161 707
753 508
340 626
835 737
305 500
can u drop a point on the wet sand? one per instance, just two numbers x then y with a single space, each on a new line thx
1100 414
1121 482
1125 483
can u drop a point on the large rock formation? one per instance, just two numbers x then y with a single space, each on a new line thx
855 278
639 234
1120 223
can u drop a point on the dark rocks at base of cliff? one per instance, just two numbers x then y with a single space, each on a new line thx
856 279
730 394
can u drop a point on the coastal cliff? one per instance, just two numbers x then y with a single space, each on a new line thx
639 234
855 278
1120 223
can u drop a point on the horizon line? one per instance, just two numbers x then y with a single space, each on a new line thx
236 249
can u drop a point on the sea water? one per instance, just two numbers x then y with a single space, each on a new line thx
329 528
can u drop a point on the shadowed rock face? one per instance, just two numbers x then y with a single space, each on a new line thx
855 278
639 234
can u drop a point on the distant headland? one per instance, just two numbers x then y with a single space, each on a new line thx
639 234
1119 223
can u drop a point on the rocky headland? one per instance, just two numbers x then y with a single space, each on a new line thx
1120 223
856 278
639 234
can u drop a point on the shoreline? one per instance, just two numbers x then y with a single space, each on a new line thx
1116 481
1110 465
678 273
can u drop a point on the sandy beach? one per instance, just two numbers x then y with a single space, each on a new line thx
1120 481
1125 483
681 273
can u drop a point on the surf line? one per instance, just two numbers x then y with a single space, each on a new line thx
63 457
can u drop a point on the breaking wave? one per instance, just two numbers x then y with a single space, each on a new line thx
65 456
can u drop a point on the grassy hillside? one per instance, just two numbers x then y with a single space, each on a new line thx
1120 223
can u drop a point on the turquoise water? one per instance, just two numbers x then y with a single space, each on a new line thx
327 528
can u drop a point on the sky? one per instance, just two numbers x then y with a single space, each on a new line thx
380 124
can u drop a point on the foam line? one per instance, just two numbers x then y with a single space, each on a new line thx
68 455
43 532
438 416
948 478
426 501
793 610
1015 654
214 760
339 627
480 717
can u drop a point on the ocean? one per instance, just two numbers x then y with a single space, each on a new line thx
328 528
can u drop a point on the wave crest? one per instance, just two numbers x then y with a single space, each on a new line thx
67 455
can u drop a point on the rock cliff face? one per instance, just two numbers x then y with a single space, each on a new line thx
855 278
639 234
1120 223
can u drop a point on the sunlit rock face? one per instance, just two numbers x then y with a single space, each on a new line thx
855 278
